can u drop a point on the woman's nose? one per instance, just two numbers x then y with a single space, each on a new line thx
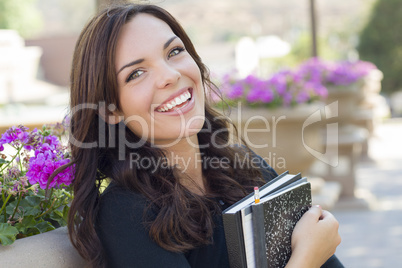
167 75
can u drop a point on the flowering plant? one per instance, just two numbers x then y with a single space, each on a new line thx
305 84
31 204
283 89
341 73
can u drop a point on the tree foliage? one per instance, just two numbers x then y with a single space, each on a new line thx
380 42
20 15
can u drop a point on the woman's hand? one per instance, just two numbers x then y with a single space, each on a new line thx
314 239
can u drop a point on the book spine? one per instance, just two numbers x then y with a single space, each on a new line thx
259 236
234 240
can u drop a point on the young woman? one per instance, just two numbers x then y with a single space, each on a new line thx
141 121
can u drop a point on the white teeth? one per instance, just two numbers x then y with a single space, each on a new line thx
177 101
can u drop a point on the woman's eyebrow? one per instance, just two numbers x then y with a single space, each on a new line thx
130 64
141 60
169 42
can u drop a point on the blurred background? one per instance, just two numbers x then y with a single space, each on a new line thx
48 30
37 39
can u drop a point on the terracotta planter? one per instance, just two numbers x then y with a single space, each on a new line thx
283 137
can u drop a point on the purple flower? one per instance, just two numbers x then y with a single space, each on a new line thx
290 87
49 157
15 136
342 74
253 96
314 69
12 173
34 139
257 90
59 129
316 89
302 97
279 82
346 72
66 176
235 92
287 99
267 96
53 141
336 73
43 165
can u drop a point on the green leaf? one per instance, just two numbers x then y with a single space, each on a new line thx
33 201
41 193
41 226
29 206
3 161
7 234
56 215
45 132
44 226
26 223
32 231
65 213
60 217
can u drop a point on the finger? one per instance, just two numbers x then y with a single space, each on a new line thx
315 211
326 215
328 218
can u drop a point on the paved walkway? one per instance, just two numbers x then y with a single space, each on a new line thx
373 238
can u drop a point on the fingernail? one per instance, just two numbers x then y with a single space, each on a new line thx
317 206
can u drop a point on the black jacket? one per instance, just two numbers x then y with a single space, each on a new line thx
127 244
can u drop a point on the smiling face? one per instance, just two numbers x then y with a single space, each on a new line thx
160 88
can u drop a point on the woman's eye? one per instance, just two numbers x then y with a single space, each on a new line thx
175 51
135 75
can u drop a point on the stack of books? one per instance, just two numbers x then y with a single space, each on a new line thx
258 229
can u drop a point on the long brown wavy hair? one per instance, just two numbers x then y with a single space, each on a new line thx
96 156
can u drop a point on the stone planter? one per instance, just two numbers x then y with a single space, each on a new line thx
348 98
47 250
372 82
283 137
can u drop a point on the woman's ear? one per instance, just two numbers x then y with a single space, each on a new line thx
110 115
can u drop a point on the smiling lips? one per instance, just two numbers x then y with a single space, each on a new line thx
176 103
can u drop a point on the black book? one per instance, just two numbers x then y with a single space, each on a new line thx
259 235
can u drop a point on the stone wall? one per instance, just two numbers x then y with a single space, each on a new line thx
47 250
56 58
